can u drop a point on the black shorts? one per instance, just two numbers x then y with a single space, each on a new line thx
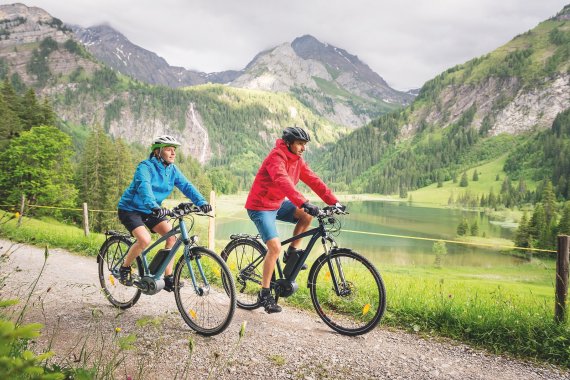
134 219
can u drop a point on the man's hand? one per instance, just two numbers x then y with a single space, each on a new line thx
310 209
160 212
206 208
340 206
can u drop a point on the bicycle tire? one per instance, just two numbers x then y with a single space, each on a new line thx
111 256
238 254
210 310
363 303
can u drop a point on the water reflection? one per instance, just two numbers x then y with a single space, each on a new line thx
368 218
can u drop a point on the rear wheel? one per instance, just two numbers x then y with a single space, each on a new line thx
356 304
245 260
110 259
207 299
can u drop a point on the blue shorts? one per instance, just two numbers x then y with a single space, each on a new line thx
265 220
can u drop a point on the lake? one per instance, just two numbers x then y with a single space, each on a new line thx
368 220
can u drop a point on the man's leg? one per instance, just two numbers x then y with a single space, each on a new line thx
303 223
273 251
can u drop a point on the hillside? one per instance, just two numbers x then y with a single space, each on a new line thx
218 125
458 117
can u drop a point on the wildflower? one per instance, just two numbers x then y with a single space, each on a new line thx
117 330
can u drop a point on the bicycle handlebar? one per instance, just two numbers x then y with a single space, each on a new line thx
330 211
185 208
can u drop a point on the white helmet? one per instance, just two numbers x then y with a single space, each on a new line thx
163 141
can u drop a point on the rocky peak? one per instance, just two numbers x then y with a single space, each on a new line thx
116 51
20 24
564 14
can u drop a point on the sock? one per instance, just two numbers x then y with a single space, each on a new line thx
265 291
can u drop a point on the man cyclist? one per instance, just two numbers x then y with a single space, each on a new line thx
276 179
140 204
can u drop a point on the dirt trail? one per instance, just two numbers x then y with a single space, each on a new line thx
290 345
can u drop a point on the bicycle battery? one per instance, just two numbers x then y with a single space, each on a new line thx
291 261
158 260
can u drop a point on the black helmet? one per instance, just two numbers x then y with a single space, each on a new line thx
291 134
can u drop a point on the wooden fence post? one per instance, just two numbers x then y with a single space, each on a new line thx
562 262
212 223
85 219
22 204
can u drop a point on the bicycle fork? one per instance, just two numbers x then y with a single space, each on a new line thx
189 257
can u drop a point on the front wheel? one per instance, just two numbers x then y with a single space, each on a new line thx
110 259
206 300
347 292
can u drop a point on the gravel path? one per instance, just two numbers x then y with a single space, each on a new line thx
290 345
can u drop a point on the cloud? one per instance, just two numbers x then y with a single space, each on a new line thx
407 42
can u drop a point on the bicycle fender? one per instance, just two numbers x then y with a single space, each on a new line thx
241 240
322 258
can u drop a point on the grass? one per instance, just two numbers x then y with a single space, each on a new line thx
508 311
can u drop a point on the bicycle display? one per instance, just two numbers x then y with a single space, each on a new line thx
346 290
203 284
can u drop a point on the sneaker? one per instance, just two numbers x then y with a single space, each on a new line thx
125 276
268 303
300 252
169 283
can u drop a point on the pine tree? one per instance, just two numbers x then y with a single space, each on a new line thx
549 203
463 227
463 182
564 224
523 237
474 228
475 175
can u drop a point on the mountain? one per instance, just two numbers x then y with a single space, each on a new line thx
328 79
117 52
461 116
218 125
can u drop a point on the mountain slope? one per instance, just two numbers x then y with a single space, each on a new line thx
117 52
452 124
217 124
331 81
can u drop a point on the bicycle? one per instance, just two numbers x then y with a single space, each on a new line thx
206 302
346 289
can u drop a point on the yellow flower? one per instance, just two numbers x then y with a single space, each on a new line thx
117 330
17 214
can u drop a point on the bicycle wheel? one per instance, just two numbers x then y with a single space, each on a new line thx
110 259
207 299
360 302
239 255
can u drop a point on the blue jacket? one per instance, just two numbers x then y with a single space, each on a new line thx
153 182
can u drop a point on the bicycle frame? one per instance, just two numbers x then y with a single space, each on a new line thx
316 233
183 239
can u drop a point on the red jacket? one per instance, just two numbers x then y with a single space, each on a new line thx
277 177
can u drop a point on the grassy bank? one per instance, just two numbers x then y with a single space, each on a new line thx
510 311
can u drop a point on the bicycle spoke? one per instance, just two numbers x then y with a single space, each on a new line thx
206 303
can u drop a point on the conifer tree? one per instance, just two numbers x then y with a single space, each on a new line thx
564 224
464 182
475 175
523 237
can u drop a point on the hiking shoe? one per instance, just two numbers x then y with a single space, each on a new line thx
300 252
268 303
126 277
169 283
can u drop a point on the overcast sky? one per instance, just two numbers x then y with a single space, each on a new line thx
406 42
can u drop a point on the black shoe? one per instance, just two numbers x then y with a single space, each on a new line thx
125 276
268 303
300 252
169 283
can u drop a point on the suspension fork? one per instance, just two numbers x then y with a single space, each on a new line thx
188 257
337 279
